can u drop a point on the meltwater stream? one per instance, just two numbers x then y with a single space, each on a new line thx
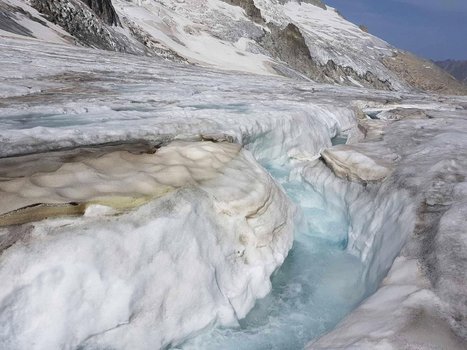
318 284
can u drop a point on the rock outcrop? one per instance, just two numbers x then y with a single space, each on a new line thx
250 9
88 27
105 10
289 45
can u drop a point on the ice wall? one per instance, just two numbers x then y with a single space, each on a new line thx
380 216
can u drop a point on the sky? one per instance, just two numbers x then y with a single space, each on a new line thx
434 29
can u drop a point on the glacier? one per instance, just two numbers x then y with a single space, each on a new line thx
160 204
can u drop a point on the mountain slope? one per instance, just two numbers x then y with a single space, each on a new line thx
458 69
423 74
265 36
305 40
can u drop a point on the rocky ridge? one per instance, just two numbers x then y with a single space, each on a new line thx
105 10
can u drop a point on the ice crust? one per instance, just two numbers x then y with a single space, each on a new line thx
403 312
380 218
349 162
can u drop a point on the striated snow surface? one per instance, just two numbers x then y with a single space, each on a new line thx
106 97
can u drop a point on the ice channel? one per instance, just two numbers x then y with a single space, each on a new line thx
316 286
325 275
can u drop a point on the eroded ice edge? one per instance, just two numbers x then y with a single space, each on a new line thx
197 256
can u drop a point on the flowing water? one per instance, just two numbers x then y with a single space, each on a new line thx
318 284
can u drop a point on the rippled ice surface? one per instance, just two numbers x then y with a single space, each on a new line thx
318 284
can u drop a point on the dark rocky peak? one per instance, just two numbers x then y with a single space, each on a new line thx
85 25
250 9
105 10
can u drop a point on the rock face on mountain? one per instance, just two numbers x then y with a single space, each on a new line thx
458 69
289 45
92 23
250 9
91 26
105 10
318 3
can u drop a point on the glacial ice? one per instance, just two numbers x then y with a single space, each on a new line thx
96 280
157 102
421 301
276 128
